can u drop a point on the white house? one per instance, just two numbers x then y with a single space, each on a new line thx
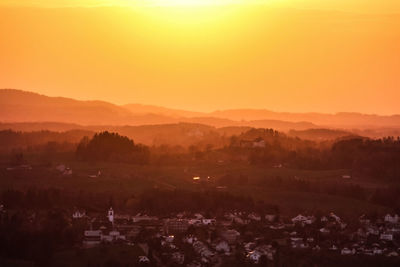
277 226
112 236
78 214
195 222
378 251
208 221
189 239
259 142
324 230
222 246
270 217
391 219
392 254
95 175
254 217
347 251
299 218
143 259
296 242
139 217
372 230
64 170
61 168
316 248
198 216
67 172
303 219
333 248
335 217
386 236
239 220
91 238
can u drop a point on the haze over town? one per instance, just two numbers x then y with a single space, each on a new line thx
199 133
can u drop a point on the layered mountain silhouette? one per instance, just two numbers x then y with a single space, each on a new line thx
17 106
341 119
22 106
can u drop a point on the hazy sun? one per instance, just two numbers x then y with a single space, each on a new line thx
189 2
180 2
189 16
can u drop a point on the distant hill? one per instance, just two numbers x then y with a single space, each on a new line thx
346 120
209 119
18 106
278 120
275 124
319 134
40 126
175 113
21 106
280 125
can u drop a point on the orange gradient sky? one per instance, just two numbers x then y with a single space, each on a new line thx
283 55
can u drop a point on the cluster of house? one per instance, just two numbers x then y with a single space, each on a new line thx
367 237
252 235
255 143
115 228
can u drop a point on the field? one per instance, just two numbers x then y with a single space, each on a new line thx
125 180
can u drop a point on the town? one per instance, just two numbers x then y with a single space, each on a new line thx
196 239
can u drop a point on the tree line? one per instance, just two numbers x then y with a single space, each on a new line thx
106 146
371 158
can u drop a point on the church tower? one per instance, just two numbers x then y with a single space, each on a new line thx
111 215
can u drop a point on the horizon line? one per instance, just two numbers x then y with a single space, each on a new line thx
206 112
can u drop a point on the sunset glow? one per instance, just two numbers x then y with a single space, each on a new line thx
288 55
200 133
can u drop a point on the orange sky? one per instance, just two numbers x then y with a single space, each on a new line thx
284 55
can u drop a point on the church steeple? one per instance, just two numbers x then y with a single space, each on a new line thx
111 215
